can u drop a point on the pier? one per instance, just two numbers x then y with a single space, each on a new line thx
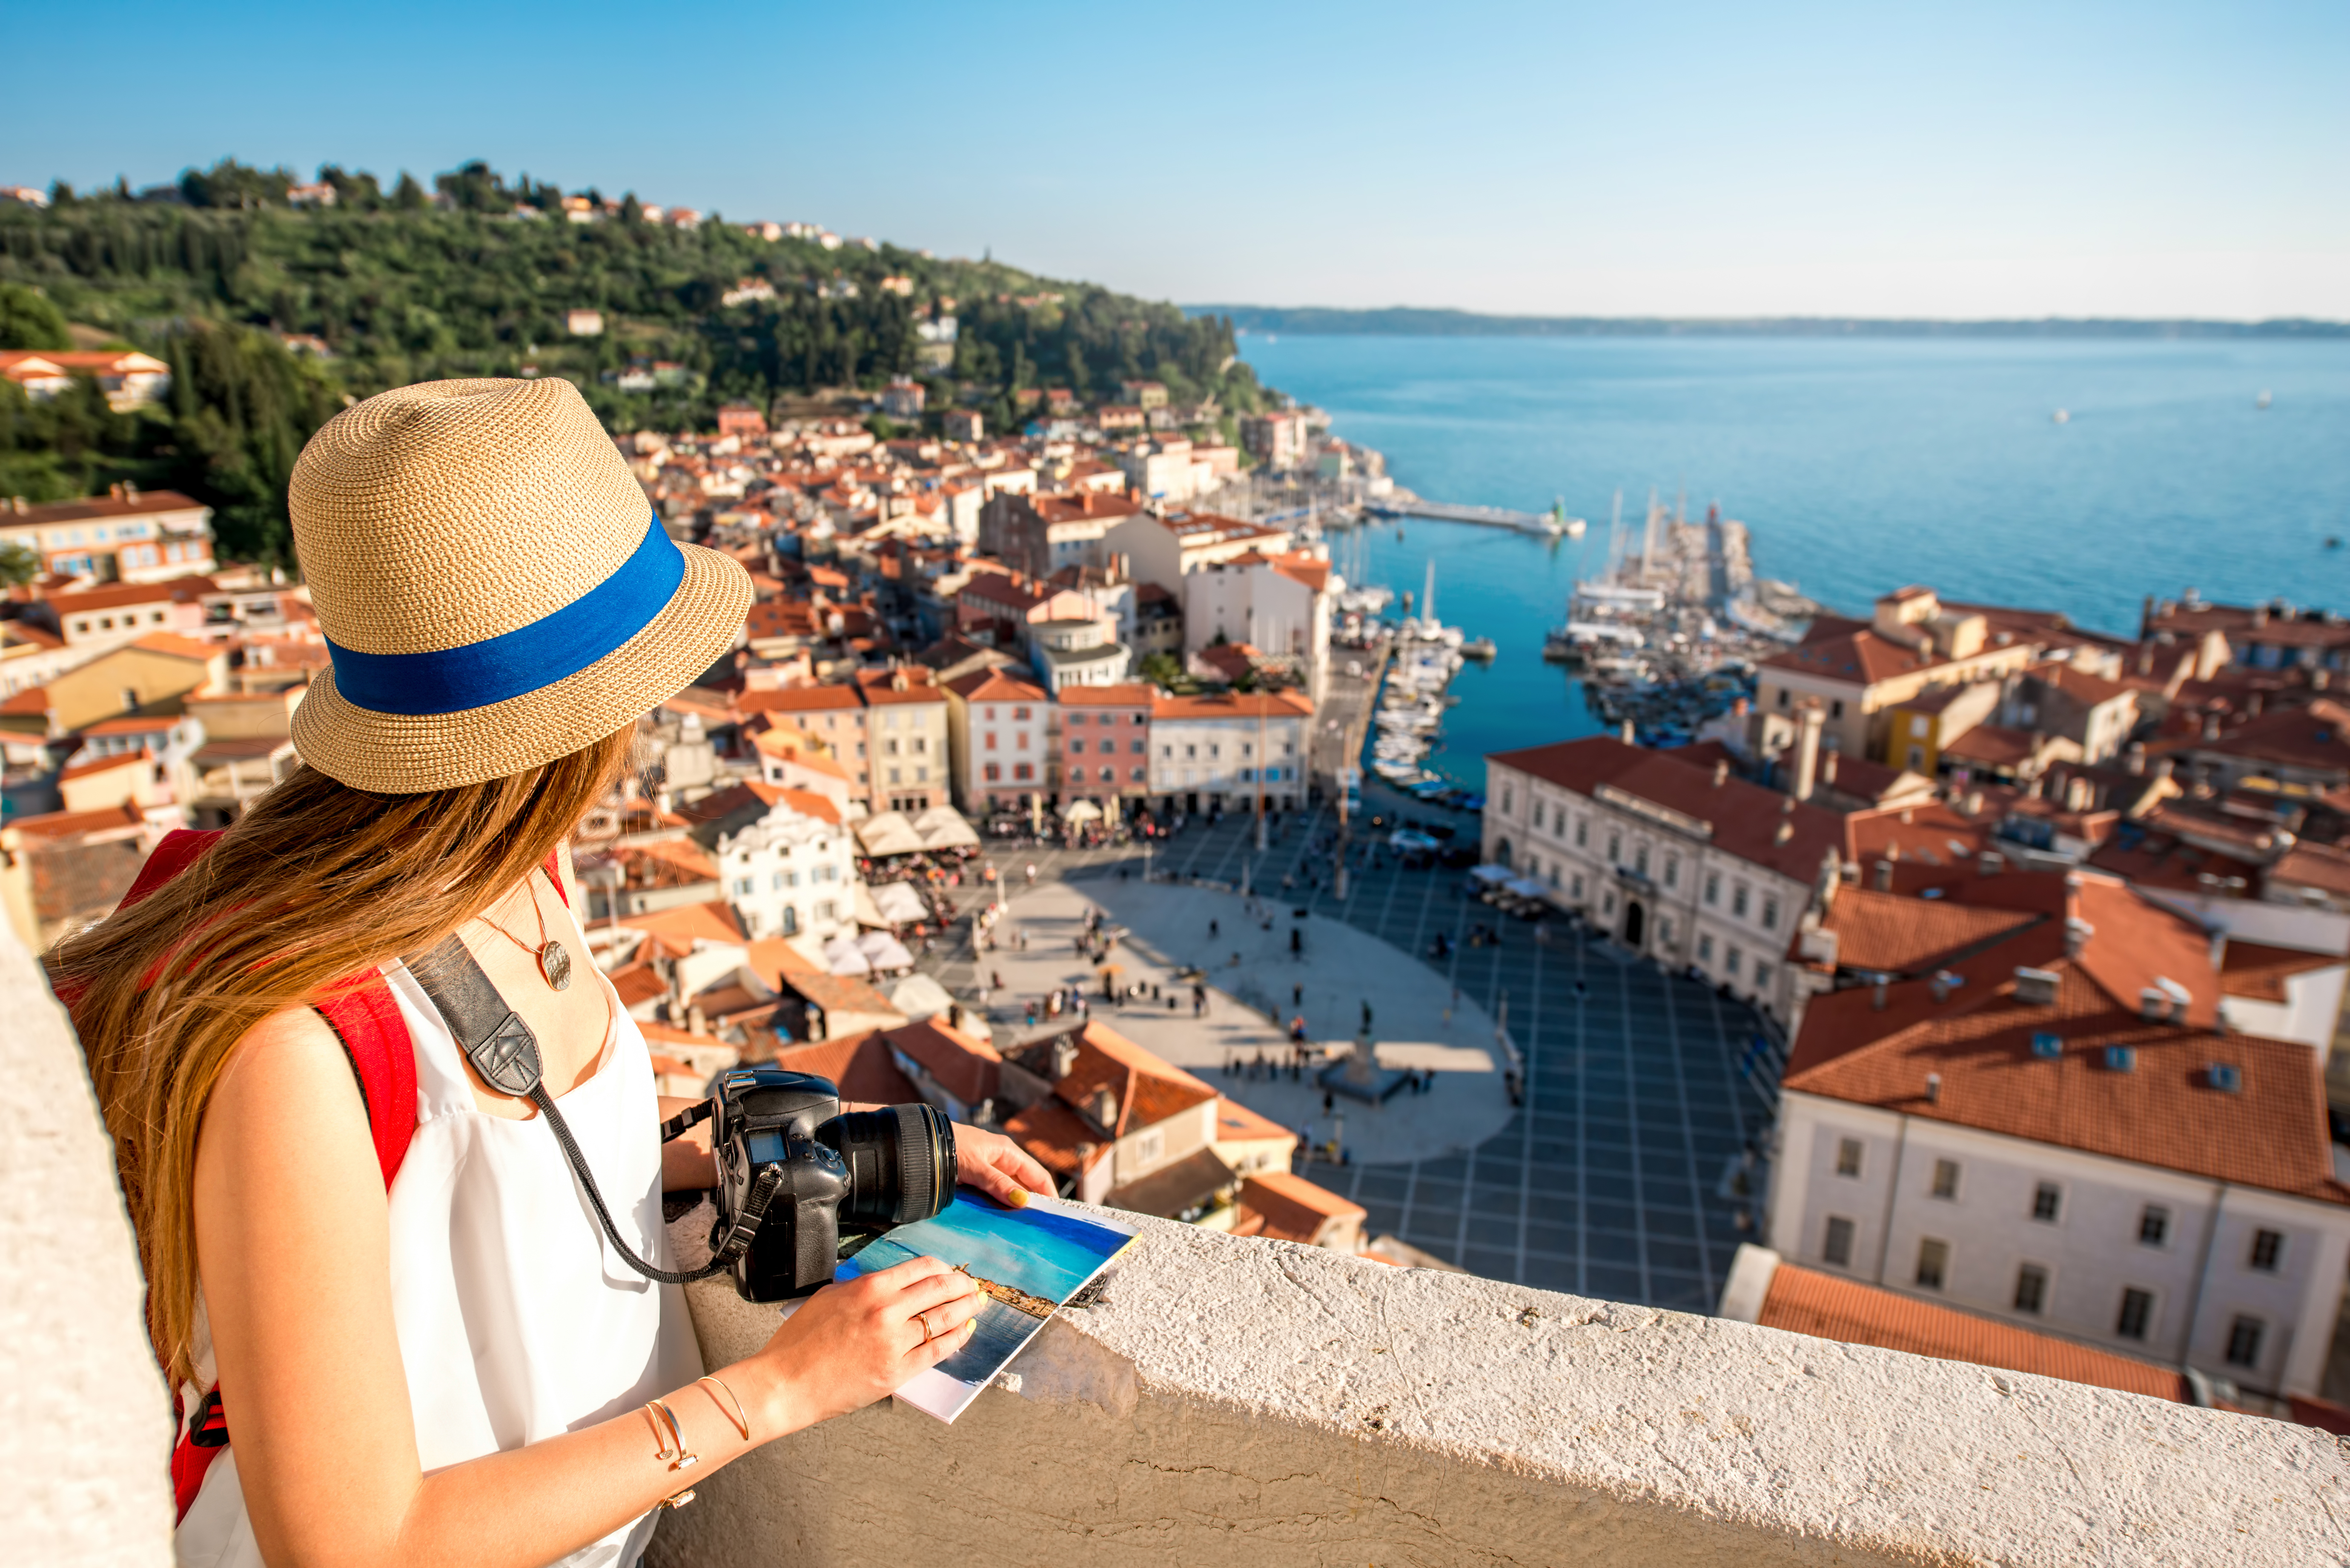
1535 523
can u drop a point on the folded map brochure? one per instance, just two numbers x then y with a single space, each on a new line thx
1028 1262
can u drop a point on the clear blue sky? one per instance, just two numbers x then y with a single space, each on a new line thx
1965 161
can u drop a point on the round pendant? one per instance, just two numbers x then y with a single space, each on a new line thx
555 963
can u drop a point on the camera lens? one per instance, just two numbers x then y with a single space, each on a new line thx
900 1159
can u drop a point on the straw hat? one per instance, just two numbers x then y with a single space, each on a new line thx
494 589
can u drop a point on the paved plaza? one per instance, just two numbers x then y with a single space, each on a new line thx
1606 1182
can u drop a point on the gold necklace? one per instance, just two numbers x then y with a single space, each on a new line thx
553 958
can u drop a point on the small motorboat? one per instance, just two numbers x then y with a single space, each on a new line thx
1481 648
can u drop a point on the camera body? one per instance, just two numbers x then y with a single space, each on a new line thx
797 1167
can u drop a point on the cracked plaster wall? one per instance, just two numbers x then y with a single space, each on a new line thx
1242 1401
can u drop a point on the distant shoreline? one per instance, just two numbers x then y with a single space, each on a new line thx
1311 321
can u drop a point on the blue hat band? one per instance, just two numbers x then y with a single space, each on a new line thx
529 658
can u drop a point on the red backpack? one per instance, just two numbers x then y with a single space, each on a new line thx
382 1054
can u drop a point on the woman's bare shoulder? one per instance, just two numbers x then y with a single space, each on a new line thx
290 1066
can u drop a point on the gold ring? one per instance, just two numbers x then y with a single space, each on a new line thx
924 1319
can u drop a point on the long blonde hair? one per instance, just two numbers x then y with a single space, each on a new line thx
316 882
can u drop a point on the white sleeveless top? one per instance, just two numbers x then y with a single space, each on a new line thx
516 1319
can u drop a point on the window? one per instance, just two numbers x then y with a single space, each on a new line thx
993 771
1076 745
1023 771
2244 1341
889 746
1783 696
1020 715
1640 860
922 745
742 885
1770 914
1138 746
2137 1311
2268 1250
1738 901
2154 1226
1946 1179
1578 885
1730 962
1137 775
1615 848
826 874
1713 888
896 774
791 921
1933 1263
1836 1248
779 881
1704 948
1848 1157
1020 740
1148 1146
1508 800
991 714
1664 926
824 908
2030 1288
988 743
1835 707
1672 870
1583 833
2046 1198
1762 974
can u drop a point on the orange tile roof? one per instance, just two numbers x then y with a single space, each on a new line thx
965 1065
678 929
143 503
2270 1134
994 686
33 700
1745 816
165 642
63 824
102 764
1909 936
859 1066
636 983
1235 1123
1233 705
797 699
2258 972
1806 1301
1133 695
1062 1141
1148 1089
1295 1209
176 590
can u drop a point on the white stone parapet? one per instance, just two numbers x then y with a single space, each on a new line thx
1245 1401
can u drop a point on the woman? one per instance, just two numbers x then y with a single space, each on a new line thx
460 1369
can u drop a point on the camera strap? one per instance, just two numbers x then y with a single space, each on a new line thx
505 1052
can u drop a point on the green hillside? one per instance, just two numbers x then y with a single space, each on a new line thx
400 287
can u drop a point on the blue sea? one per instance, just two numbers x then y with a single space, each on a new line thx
1860 465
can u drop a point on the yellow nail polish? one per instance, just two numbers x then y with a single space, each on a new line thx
1019 1198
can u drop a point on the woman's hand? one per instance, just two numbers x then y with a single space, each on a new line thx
852 1343
998 1167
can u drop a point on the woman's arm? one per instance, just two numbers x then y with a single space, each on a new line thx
293 1240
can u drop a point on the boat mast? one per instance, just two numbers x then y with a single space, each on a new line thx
1428 595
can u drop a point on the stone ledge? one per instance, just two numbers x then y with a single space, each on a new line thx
1246 1401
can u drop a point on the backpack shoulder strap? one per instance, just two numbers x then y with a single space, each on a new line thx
179 849
366 1018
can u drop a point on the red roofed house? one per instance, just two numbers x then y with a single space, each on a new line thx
1689 865
95 620
1231 749
1288 1207
2053 1128
1039 535
1762 1288
1000 733
1860 671
62 870
1278 603
956 1071
1166 550
1116 1124
129 536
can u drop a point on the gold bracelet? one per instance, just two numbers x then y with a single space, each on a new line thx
676 1435
741 1419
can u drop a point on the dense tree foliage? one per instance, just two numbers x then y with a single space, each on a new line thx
478 278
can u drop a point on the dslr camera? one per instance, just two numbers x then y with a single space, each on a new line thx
793 1170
